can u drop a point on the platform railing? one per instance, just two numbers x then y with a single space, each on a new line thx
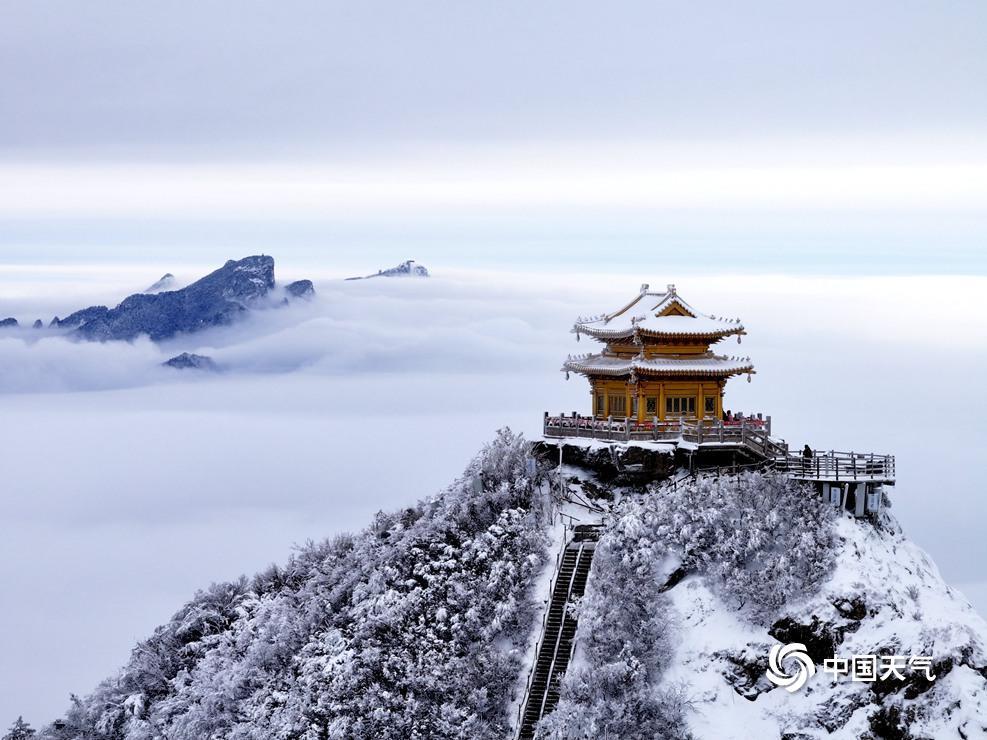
753 430
830 465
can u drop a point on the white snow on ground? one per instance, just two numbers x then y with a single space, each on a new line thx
909 609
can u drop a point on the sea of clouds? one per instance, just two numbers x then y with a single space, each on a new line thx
124 485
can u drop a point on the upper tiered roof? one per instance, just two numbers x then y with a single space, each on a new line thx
659 316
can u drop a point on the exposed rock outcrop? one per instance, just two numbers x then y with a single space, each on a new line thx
300 289
191 361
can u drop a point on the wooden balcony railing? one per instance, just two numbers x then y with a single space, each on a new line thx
751 431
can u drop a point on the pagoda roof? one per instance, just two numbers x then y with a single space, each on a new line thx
707 364
657 314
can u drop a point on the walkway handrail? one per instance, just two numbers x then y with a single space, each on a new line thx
558 637
836 465
544 621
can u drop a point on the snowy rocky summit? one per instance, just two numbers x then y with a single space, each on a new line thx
191 361
424 624
408 268
217 299
165 282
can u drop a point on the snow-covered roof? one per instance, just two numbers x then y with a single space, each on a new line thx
705 364
654 314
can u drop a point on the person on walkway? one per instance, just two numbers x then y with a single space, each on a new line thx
806 459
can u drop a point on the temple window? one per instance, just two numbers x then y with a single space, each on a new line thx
651 405
680 405
618 405
601 404
710 405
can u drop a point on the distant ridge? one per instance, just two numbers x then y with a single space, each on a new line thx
408 268
218 299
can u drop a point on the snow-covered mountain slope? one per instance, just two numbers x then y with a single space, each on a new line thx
415 628
885 596
731 567
423 625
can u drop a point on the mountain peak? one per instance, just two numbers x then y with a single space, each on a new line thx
408 268
217 299
165 282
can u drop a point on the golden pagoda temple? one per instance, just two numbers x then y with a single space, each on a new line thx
657 362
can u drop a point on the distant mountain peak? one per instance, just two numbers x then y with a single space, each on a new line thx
217 299
191 361
408 268
165 282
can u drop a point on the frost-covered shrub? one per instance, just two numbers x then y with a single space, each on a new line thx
760 538
623 639
414 628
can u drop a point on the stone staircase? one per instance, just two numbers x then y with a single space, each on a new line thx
555 648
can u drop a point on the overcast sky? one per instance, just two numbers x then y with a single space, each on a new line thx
253 80
749 151
838 136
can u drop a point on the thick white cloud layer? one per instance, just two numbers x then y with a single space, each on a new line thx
125 485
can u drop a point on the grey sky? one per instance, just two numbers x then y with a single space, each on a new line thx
255 80
841 137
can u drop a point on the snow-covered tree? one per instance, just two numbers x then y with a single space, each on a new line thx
761 538
414 628
20 730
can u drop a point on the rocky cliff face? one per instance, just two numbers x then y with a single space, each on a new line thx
218 299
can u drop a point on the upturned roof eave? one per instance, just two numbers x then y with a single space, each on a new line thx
628 332
725 372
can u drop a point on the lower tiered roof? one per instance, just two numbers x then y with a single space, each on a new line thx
707 364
